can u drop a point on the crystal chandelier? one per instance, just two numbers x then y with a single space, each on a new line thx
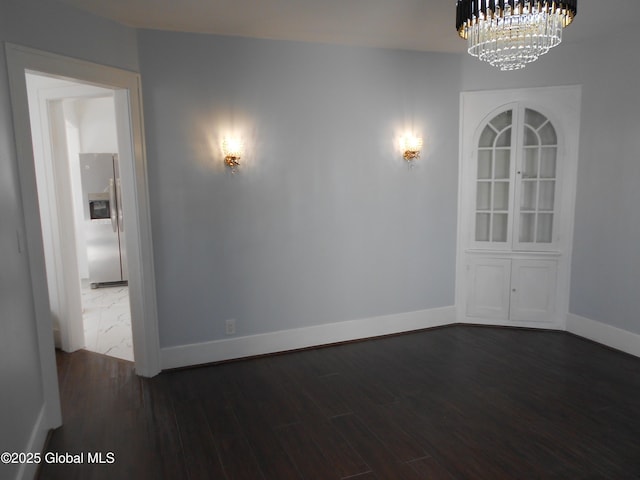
511 33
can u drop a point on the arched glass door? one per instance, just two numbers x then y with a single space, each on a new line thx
516 181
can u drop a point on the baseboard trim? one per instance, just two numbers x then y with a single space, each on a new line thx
306 337
608 335
57 337
327 334
36 443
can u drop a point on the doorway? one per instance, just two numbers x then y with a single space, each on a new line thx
125 86
72 125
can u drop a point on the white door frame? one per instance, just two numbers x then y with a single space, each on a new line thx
128 102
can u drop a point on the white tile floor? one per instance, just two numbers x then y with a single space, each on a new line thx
107 321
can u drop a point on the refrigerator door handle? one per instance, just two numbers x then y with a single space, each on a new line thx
120 213
112 205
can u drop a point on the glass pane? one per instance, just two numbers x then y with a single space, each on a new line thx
499 227
527 226
504 140
483 196
482 227
484 163
530 137
501 196
548 162
545 228
501 121
487 137
546 195
502 161
530 164
528 196
548 135
533 118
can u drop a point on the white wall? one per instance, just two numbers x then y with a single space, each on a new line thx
97 125
325 222
606 259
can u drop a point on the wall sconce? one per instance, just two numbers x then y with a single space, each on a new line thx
232 150
410 146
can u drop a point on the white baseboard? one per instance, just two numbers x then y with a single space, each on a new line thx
318 335
36 442
57 337
608 335
284 340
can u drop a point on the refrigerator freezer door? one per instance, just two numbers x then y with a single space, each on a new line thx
103 252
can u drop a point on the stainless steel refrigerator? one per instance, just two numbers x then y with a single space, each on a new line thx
104 227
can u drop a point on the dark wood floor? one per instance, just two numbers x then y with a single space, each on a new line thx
452 403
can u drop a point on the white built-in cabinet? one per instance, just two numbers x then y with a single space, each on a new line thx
521 290
519 151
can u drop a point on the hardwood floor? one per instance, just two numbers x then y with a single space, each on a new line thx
459 402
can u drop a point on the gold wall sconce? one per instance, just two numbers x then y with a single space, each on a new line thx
411 147
232 149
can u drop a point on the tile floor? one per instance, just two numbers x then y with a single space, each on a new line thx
107 321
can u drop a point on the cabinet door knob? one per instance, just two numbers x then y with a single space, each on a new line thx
513 289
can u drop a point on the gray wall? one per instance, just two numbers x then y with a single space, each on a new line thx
325 222
21 396
55 28
606 254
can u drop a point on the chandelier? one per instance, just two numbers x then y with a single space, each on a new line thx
511 33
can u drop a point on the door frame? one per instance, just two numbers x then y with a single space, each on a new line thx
53 172
127 97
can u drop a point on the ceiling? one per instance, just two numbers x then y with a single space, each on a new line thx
424 25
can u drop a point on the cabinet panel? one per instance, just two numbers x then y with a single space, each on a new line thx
488 293
533 290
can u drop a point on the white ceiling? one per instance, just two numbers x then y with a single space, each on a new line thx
425 25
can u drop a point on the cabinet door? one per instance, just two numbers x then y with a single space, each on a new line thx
488 281
516 182
536 221
533 290
493 184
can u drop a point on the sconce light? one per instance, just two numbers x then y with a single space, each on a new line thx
411 146
232 150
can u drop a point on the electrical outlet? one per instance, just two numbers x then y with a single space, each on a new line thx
230 326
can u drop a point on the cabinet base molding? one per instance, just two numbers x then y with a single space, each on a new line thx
493 322
604 334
